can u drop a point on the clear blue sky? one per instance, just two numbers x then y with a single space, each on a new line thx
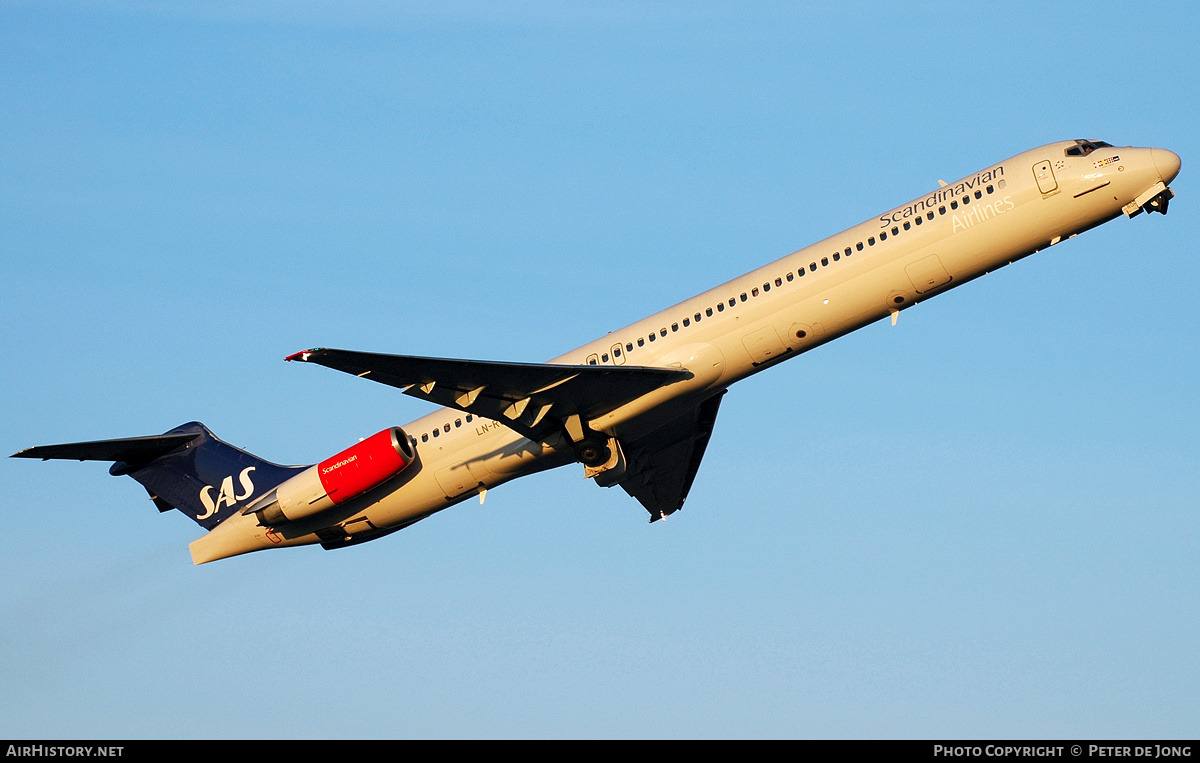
981 522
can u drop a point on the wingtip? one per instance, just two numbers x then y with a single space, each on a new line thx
302 356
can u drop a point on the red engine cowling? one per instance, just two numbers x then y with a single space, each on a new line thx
337 479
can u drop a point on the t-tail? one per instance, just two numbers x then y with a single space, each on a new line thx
187 468
211 481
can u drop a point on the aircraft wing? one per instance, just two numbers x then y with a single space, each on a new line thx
662 465
533 399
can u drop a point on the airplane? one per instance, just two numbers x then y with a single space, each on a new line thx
636 407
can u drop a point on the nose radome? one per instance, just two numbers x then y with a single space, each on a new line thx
1166 162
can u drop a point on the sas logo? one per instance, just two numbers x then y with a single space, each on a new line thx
226 495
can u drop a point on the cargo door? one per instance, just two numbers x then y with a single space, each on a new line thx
927 274
456 480
763 345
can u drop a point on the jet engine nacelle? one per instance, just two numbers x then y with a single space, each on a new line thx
337 479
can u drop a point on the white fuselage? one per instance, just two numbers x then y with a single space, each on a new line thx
966 228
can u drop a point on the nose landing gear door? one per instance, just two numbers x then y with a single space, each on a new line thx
1044 174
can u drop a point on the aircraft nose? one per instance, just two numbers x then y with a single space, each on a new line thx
1166 162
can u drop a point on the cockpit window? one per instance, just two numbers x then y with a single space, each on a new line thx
1085 147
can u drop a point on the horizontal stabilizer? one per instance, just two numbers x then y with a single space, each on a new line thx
131 450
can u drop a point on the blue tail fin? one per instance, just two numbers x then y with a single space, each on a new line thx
187 468
207 479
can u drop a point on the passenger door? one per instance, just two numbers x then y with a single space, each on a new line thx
1044 174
